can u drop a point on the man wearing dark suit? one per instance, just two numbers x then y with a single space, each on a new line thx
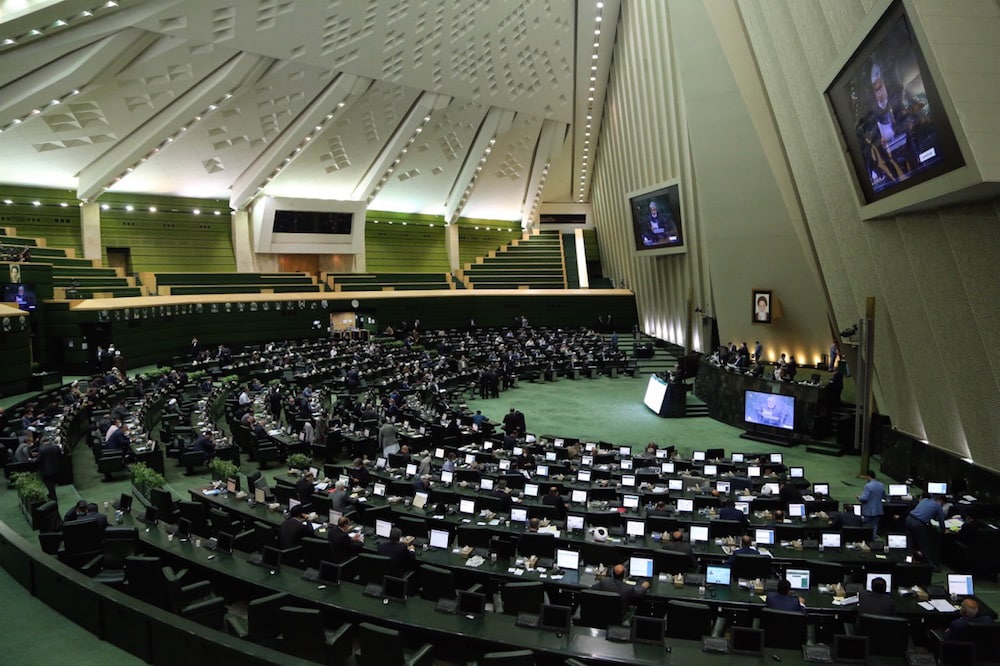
616 583
969 614
119 440
94 513
730 512
500 492
293 530
304 488
204 445
876 602
552 498
343 545
746 548
48 459
401 556
78 511
783 599
678 545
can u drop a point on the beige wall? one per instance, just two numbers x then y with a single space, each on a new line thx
933 273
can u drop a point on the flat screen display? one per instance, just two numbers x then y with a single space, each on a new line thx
383 528
574 522
685 504
799 578
628 480
830 539
567 559
769 409
711 470
630 501
656 391
578 497
439 539
797 510
872 576
21 294
675 484
699 533
640 567
722 487
897 490
519 514
960 584
764 536
531 490
587 461
890 114
486 484
542 470
467 506
667 468
737 457
821 489
447 476
635 528
657 226
753 470
896 542
937 488
698 456
583 476
379 489
716 575
796 472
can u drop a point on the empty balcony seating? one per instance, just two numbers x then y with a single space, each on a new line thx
535 262
179 284
388 281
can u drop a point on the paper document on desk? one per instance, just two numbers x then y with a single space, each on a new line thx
846 601
942 605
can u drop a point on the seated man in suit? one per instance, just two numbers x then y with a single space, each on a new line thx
401 556
876 602
553 498
119 440
500 491
746 548
783 599
78 511
340 500
360 476
968 614
304 488
730 512
678 545
616 583
205 445
343 544
294 529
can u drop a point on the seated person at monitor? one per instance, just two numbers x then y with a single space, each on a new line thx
78 511
788 492
304 488
401 556
746 548
730 512
661 508
553 498
532 525
616 583
876 602
678 545
500 492
294 529
119 440
339 499
343 544
359 474
204 445
784 600
845 518
968 614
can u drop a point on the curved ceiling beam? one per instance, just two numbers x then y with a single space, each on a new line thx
385 162
551 139
159 130
287 146
66 75
497 121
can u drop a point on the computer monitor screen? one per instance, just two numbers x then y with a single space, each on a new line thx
411 469
635 528
550 456
485 484
467 506
747 640
292 503
797 510
439 452
334 517
381 462
628 480
872 576
737 457
505 464
796 472
574 522
150 515
555 618
743 506
717 575
753 471
329 573
960 584
624 451
667 468
439 539
531 490
626 465
470 458
420 499
378 489
799 578
661 453
583 476
578 496
447 476
711 470
685 504
272 557
383 528
648 630
518 514
856 509
567 559
640 567
394 587
850 649
772 488
776 458
937 488
698 456
587 461
763 536
830 539
675 484
259 495
232 485
722 487
769 409
224 542
821 489
541 470
471 603
518 451
897 489
630 501
896 542
558 441
699 533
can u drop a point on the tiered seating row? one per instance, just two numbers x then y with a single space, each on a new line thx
387 281
535 262
165 284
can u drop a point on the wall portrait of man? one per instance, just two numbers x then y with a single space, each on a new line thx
761 306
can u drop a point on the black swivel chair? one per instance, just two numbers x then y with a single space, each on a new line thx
82 542
784 629
752 567
262 624
600 609
47 518
194 601
526 597
303 635
890 636
690 620
436 583
119 544
509 658
144 579
378 645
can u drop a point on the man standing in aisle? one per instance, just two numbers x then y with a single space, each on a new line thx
871 502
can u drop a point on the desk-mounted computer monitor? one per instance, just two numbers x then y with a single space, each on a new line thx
738 457
624 451
542 470
799 578
898 490
763 536
699 534
796 510
821 489
568 560
937 488
583 475
772 487
628 480
635 528
411 469
587 461
698 456
717 575
797 472
675 484
471 604
667 468
710 470
744 507
485 484
439 539
830 540
504 464
556 618
467 506
574 523
896 542
518 514
626 465
685 504
447 476
439 453
379 489
960 585
640 567
550 456
578 496
383 528
753 471
722 487
531 490
630 501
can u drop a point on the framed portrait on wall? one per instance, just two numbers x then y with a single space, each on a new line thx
761 306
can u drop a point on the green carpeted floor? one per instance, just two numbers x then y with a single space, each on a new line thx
592 409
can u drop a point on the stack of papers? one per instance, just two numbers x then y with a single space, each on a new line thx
940 605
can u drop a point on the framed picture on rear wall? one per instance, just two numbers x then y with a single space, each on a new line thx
761 306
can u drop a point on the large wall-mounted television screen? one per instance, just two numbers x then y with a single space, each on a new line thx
657 224
769 409
21 294
889 112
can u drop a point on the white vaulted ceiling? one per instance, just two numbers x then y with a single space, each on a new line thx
446 107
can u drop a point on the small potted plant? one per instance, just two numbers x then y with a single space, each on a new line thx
31 493
222 470
145 479
297 462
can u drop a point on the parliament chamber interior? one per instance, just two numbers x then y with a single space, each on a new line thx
535 332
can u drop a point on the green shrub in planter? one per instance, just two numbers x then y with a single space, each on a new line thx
144 479
299 461
30 489
222 469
